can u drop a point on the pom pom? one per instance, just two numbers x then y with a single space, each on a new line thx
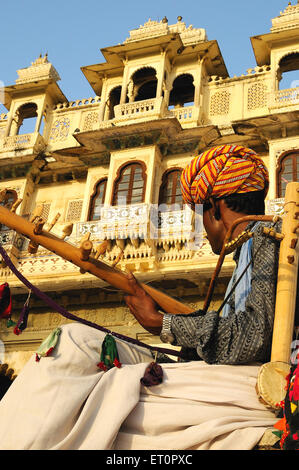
153 375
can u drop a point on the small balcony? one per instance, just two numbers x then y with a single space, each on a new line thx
186 115
145 234
33 142
146 109
284 98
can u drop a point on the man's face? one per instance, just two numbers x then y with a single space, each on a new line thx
215 229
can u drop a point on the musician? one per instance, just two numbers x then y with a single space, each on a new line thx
230 182
65 401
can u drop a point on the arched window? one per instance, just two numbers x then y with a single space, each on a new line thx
97 200
287 73
25 119
182 93
143 84
129 187
7 198
114 100
170 190
288 171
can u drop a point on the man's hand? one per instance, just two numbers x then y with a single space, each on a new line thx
143 307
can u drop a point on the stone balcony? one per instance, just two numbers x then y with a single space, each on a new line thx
142 236
284 98
147 109
32 143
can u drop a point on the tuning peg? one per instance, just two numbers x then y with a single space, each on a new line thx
36 213
85 238
67 230
54 221
16 205
39 223
101 249
270 232
85 248
119 257
32 247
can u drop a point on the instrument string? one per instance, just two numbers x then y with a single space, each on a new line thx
58 308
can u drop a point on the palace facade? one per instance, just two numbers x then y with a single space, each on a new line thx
109 165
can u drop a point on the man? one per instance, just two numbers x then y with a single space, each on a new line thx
231 182
66 402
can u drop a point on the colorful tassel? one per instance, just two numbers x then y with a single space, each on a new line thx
109 354
48 345
10 323
5 301
23 319
288 426
153 375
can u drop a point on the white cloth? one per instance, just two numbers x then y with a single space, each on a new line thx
64 402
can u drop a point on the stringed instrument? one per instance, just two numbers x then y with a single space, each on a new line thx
82 256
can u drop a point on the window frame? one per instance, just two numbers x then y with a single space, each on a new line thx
118 180
164 180
294 155
94 196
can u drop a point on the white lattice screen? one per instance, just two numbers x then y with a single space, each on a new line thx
74 209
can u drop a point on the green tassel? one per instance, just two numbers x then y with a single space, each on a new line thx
48 345
10 323
109 354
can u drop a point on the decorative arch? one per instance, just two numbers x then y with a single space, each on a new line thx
170 190
97 199
113 100
143 84
25 118
183 90
287 171
287 71
130 184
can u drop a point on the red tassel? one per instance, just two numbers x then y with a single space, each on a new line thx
117 363
37 358
49 352
5 301
102 366
17 331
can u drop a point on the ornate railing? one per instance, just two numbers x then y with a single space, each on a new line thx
118 222
282 98
145 222
138 109
185 113
23 141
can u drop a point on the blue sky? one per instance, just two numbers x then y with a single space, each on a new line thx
73 32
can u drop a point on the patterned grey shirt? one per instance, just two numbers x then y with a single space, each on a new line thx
241 337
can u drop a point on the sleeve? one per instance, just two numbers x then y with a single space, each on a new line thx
245 336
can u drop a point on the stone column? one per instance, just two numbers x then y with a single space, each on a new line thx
124 86
160 74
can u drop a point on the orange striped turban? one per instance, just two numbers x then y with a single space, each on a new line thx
221 171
